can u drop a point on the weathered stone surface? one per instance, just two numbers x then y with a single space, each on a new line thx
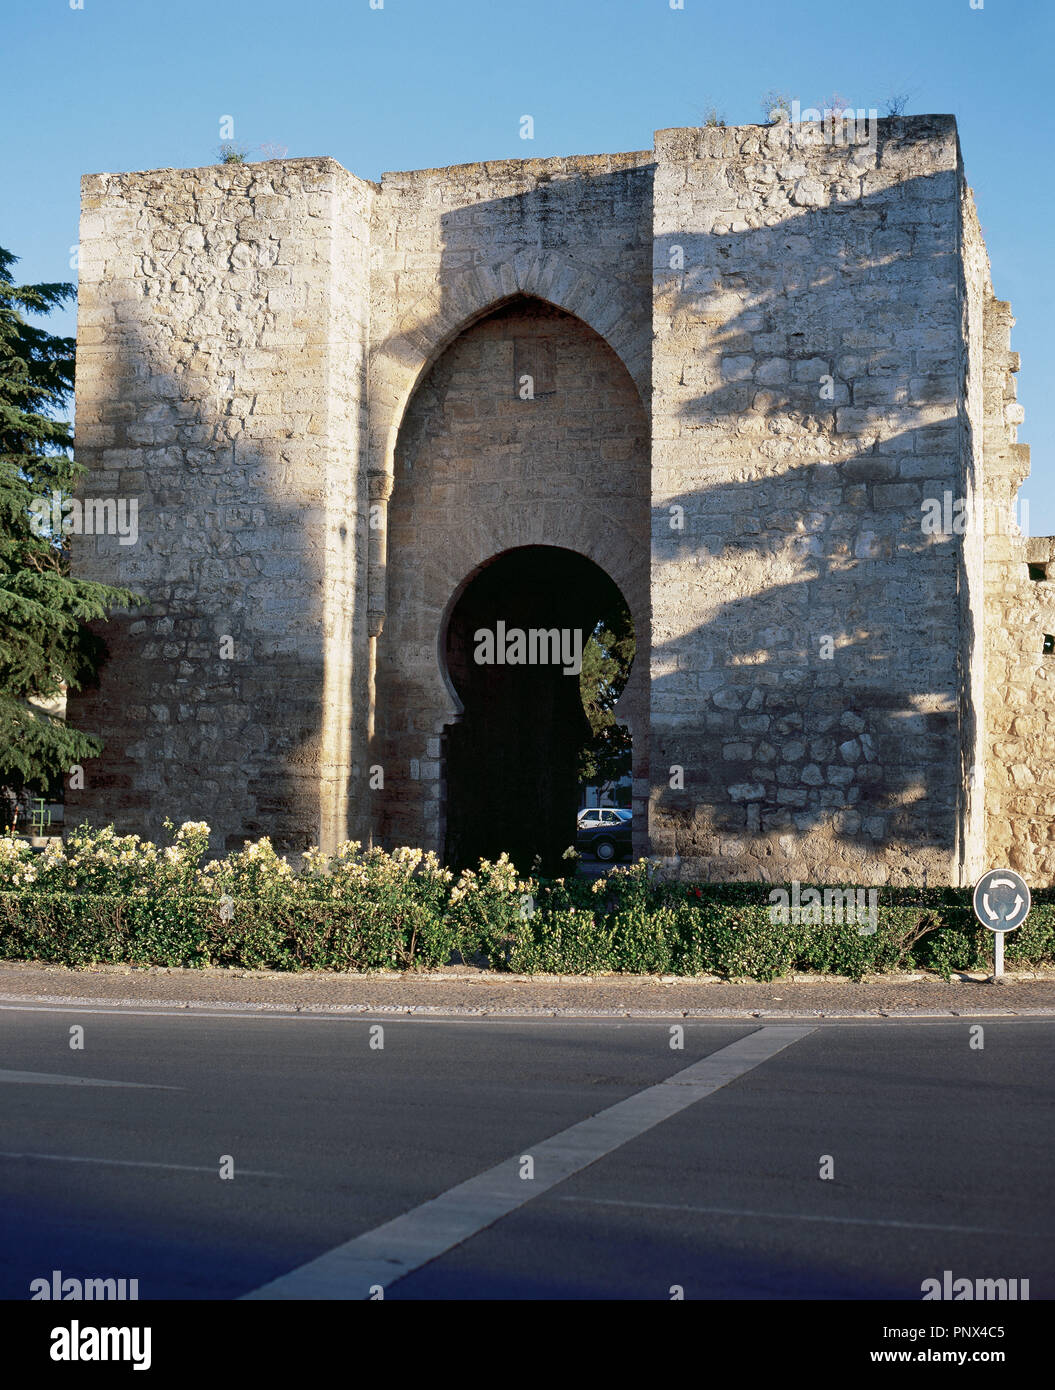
782 355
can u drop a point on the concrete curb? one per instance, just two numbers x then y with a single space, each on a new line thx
221 1007
471 993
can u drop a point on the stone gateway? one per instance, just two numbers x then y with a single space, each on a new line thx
752 383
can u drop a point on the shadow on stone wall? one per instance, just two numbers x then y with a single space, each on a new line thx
534 496
802 525
793 708
820 697
229 563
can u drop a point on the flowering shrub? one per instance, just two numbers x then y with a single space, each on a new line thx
18 866
101 861
254 871
489 907
107 897
349 910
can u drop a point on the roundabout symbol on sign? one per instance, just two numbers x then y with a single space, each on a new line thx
1001 900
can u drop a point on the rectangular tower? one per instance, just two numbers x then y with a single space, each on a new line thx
809 631
221 350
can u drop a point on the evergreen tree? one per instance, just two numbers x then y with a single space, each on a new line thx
44 643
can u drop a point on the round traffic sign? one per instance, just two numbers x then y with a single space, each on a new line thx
1001 900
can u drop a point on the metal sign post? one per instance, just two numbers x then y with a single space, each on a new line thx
1001 902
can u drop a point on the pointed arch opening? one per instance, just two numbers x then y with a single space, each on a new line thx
526 654
527 432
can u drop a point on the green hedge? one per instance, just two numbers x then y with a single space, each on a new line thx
726 930
637 925
86 929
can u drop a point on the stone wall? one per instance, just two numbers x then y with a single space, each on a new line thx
1020 623
480 471
805 683
346 701
449 246
211 304
975 293
806 334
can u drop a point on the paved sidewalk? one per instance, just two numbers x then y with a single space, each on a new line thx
476 993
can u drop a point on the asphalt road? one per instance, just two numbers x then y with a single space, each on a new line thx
941 1155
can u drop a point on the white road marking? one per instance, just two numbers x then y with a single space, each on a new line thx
45 1078
384 1255
138 1163
802 1216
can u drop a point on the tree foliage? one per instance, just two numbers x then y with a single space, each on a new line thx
45 646
606 660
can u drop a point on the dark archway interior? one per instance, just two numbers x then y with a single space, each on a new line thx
512 758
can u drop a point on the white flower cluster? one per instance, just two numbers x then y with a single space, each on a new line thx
102 861
501 876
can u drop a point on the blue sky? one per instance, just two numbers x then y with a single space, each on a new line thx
143 84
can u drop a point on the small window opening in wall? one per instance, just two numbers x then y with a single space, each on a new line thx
1038 573
1049 644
